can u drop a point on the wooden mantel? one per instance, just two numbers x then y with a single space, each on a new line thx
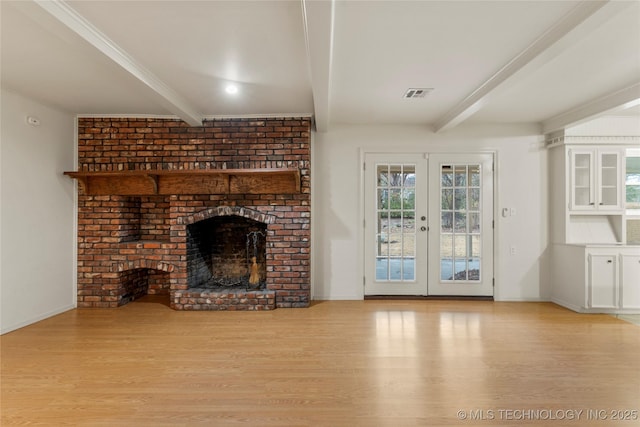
190 181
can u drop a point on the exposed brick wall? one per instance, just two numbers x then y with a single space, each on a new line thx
117 234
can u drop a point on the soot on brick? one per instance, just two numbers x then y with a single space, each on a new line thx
220 252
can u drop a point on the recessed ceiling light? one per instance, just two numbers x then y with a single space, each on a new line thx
417 92
231 89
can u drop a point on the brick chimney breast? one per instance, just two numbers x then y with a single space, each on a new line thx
129 246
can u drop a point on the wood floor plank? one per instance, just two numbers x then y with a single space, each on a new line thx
339 363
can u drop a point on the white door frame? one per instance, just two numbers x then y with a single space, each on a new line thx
360 294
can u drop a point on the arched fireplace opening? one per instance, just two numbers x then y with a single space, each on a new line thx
226 253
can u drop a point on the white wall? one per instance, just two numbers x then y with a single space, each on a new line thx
522 184
37 276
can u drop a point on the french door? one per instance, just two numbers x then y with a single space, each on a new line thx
461 218
395 224
428 224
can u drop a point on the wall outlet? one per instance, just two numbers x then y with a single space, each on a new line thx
512 250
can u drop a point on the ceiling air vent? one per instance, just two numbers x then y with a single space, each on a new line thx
412 93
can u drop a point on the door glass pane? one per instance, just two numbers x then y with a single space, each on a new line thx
395 244
383 175
383 221
395 175
460 223
460 201
461 269
474 269
474 173
460 176
446 256
396 228
475 246
408 224
474 199
474 222
446 222
383 245
447 199
409 199
395 200
447 177
460 246
383 198
409 244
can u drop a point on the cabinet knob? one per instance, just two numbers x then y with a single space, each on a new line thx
609 261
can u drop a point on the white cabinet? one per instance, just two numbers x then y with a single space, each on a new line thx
596 177
603 281
587 204
596 278
630 281
593 270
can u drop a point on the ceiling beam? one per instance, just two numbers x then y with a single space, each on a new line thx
318 19
478 98
628 96
169 98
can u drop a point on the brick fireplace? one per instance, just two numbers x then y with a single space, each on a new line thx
162 210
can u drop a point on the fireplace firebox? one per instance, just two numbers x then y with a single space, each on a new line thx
226 252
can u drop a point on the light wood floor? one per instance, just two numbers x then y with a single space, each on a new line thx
342 363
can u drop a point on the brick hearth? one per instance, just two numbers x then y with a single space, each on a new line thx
129 246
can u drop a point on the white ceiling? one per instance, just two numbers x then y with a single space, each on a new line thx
549 62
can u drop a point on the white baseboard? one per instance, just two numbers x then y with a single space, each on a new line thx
568 305
337 298
612 311
6 329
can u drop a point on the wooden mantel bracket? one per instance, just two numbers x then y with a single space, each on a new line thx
190 181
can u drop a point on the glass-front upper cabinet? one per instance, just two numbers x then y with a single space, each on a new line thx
609 180
582 180
595 180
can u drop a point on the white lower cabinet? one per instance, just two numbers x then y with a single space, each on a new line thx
603 281
597 278
630 281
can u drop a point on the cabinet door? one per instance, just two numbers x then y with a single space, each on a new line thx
582 180
602 281
608 180
630 281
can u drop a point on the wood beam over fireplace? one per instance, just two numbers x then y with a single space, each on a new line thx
188 181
